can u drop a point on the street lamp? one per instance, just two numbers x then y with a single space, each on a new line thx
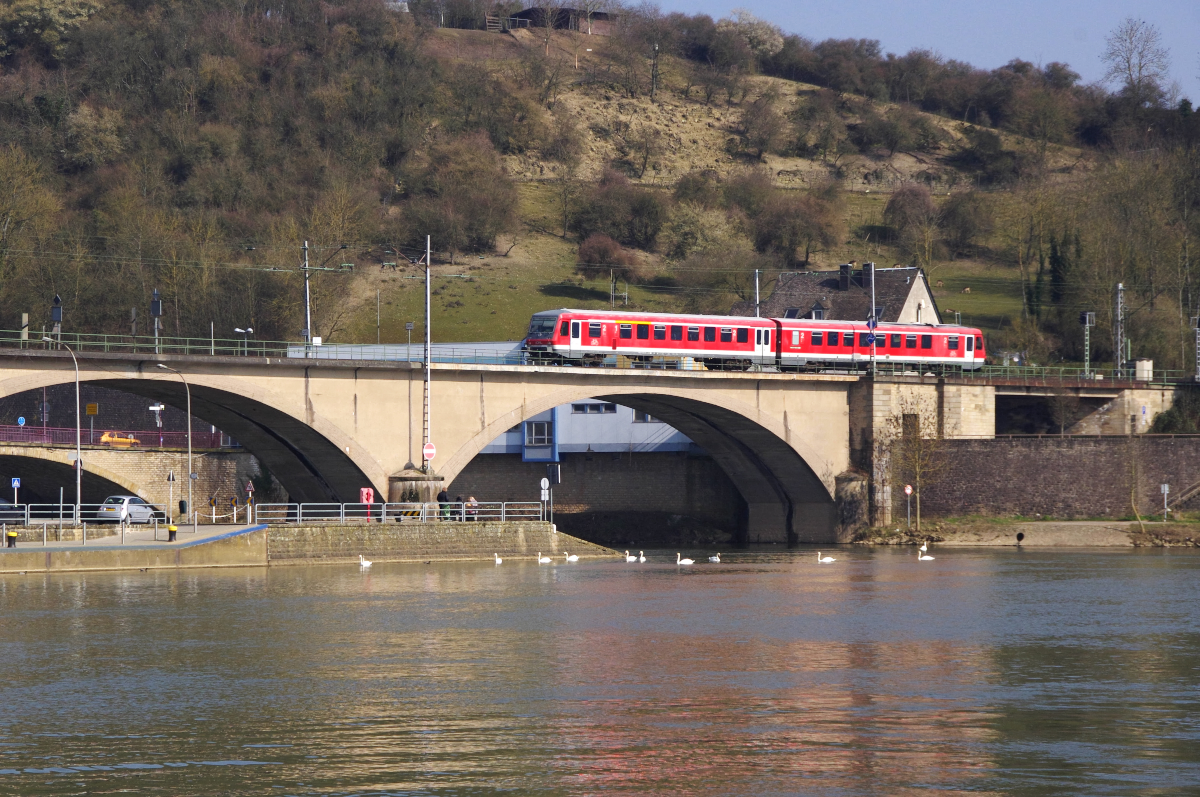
245 333
191 473
78 433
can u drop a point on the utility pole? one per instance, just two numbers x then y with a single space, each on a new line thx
1196 327
376 316
307 332
756 302
156 312
654 74
1088 320
874 321
428 372
1119 348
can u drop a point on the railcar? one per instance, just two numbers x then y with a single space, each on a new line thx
589 336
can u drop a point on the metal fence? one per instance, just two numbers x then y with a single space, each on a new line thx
113 438
395 512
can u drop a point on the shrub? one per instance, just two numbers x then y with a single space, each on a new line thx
599 254
626 213
966 216
699 187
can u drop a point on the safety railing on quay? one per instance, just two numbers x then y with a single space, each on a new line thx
304 513
113 438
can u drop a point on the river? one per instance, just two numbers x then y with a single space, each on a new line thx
994 671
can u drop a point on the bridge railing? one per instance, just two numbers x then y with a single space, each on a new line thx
304 513
113 438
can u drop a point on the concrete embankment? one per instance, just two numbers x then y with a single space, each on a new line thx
260 546
1066 534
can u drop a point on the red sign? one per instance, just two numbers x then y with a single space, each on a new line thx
366 495
249 487
429 451
908 489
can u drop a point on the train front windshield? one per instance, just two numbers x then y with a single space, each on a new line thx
542 327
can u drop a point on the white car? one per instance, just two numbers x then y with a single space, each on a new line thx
127 508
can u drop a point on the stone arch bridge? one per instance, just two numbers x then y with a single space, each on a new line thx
792 444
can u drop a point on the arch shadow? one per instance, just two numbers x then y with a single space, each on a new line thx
41 477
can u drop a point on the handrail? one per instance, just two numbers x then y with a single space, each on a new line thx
298 513
118 438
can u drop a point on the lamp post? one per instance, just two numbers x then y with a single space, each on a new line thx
78 433
191 473
245 333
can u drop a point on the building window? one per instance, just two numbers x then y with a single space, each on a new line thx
643 331
676 333
817 314
927 341
539 433
644 417
594 329
626 330
791 312
743 335
593 408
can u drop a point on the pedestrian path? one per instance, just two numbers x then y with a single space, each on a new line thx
135 537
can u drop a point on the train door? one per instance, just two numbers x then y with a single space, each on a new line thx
575 347
763 351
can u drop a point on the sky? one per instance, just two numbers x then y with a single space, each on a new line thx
986 34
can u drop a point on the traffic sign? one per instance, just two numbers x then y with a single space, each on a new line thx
171 476
21 421
429 451
545 495
908 489
93 409
872 323
871 339
249 487
16 482
545 483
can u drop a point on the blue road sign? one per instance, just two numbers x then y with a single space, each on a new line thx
871 340
16 482
21 421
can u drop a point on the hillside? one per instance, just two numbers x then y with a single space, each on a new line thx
195 148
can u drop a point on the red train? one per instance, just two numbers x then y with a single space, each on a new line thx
589 336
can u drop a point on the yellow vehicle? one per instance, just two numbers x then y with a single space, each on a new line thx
119 440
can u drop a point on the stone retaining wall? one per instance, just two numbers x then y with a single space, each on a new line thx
416 542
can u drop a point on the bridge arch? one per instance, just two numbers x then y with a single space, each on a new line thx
785 483
37 465
310 455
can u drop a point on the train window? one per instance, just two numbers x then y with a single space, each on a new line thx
726 335
743 335
660 332
766 337
895 341
952 342
594 328
880 340
970 343
832 337
710 333
693 333
566 329
910 341
978 343
862 339
676 333
847 338
643 331
927 341
818 338
626 330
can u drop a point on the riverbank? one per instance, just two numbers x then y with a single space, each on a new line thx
1064 534
262 546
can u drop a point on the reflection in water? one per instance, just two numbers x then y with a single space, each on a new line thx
1007 672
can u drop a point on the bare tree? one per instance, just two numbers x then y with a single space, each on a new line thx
910 446
1136 56
590 7
1064 410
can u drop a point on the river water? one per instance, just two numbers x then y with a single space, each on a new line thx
1015 672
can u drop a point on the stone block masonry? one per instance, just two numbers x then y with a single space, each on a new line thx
419 542
1061 477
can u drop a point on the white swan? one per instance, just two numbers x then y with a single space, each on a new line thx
641 556
825 560
921 556
543 560
716 558
679 561
498 559
364 563
629 558
571 557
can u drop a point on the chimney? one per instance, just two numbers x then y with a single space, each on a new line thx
844 276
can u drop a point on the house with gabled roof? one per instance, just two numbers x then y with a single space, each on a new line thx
902 295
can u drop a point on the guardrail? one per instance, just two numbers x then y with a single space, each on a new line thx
398 512
65 436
